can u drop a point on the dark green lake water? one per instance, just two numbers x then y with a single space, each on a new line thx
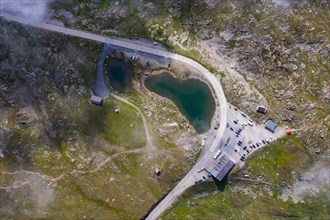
192 97
119 76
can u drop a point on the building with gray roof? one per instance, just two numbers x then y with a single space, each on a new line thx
270 125
96 100
222 168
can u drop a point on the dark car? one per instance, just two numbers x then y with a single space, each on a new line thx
235 121
253 146
248 151
196 182
263 141
204 177
231 129
242 159
244 148
200 181
257 144
235 109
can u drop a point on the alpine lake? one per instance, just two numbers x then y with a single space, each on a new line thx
192 97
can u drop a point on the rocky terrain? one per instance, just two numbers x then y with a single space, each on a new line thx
273 53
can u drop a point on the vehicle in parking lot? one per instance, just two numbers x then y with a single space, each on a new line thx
250 123
263 141
217 154
251 147
196 182
243 114
231 129
248 151
257 144
200 181
204 177
244 148
235 109
235 121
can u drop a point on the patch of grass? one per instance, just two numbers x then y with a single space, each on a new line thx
278 160
105 4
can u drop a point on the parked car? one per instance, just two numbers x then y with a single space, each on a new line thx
244 148
243 114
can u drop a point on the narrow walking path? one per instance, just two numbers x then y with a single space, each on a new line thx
149 146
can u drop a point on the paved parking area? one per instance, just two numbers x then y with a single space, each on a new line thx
249 136
242 138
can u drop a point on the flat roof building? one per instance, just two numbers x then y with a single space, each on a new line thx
96 100
261 109
270 125
222 168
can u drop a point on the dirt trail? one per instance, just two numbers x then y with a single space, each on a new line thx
51 180
149 146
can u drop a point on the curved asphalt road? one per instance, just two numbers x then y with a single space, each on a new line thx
189 179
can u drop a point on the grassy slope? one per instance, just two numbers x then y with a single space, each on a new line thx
69 134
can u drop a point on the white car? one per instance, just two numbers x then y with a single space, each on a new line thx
243 114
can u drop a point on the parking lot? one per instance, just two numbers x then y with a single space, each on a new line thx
243 136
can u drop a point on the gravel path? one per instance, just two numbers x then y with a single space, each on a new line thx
149 147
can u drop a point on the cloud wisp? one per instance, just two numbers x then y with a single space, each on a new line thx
32 10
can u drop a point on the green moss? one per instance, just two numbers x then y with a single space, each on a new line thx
105 4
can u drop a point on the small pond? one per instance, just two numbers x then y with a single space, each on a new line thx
119 74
